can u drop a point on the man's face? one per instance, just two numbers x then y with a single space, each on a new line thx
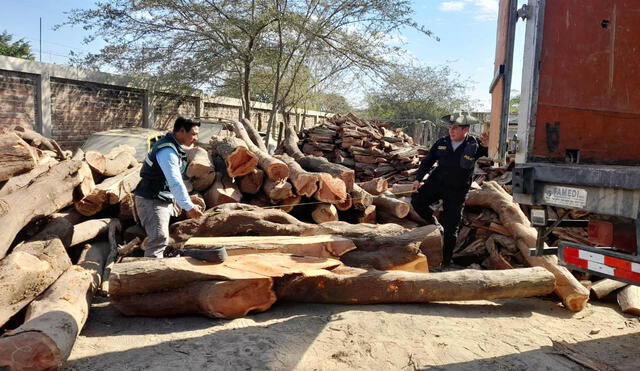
188 138
458 133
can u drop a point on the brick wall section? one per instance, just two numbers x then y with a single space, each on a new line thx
169 107
79 109
18 95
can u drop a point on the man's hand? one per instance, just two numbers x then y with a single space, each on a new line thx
484 139
416 185
194 213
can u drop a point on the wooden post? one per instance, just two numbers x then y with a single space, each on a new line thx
280 131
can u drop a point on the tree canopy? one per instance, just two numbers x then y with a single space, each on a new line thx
18 49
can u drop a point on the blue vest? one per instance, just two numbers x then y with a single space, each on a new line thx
153 183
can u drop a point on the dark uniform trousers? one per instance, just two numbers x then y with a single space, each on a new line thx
452 204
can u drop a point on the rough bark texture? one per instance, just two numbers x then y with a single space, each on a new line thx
361 198
200 170
27 272
358 286
605 287
152 275
48 193
89 230
393 206
375 186
322 165
492 195
118 163
238 157
253 134
21 181
304 182
216 299
110 192
16 156
629 300
277 191
275 169
321 246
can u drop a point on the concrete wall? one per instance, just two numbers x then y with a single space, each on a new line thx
68 104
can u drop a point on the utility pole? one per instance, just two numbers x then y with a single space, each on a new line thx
40 39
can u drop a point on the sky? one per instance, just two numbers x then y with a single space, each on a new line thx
466 29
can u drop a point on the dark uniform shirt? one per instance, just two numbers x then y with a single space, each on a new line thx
455 167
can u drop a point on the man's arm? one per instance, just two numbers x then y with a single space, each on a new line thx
483 149
170 165
427 162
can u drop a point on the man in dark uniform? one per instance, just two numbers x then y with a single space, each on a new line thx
456 155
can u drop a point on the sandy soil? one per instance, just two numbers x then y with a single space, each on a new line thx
512 334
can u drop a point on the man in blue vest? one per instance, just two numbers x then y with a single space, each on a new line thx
456 155
162 184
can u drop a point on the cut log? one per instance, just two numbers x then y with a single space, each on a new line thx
223 190
386 217
254 134
89 230
152 275
37 140
304 182
361 198
375 186
288 204
119 163
321 246
87 184
345 204
330 189
53 321
110 192
358 286
27 272
16 156
200 169
323 213
495 260
276 170
96 160
322 165
277 191
629 300
21 181
605 287
251 220
252 182
290 142
393 206
238 157
492 195
18 208
216 299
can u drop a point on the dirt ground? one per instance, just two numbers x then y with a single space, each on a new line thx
511 334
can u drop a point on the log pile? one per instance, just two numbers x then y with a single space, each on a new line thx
372 149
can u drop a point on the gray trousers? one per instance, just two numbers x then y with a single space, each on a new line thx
154 216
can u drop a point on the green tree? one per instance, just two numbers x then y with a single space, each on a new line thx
514 104
18 49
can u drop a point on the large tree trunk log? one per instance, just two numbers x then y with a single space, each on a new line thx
60 225
27 272
200 170
358 286
354 216
305 183
288 204
89 230
345 204
54 320
322 165
605 287
16 156
568 288
321 246
375 186
290 142
330 189
323 213
222 191
87 184
276 170
21 181
393 206
277 191
629 300
110 192
254 221
152 275
254 134
119 163
252 182
238 157
37 140
216 299
48 193
361 198
96 160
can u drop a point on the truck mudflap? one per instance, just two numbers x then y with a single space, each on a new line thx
600 261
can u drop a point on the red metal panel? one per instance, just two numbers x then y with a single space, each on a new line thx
589 87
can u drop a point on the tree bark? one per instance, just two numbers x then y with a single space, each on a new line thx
393 206
492 195
21 181
304 182
605 287
89 230
323 213
277 191
152 275
358 286
27 272
54 320
200 169
276 170
19 208
238 157
321 246
288 204
222 191
119 163
216 299
629 300
322 165
110 192
252 182
361 198
37 140
253 134
16 156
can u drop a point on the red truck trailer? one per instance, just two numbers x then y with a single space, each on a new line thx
578 138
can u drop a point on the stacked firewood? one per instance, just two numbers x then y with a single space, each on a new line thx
372 149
